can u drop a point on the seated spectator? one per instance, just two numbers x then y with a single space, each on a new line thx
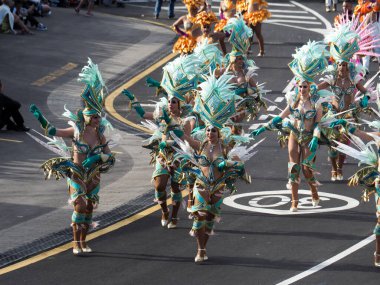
39 8
10 22
26 12
10 116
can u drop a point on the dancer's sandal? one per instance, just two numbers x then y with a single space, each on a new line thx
376 256
173 223
294 206
333 175
165 218
261 53
86 249
339 174
199 258
77 250
189 205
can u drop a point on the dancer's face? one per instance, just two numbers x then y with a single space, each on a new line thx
193 11
95 121
347 7
343 68
173 105
212 133
206 29
304 88
239 61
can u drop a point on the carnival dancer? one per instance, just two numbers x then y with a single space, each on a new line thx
304 104
188 34
368 176
170 117
90 154
206 20
243 70
257 13
214 162
227 10
345 78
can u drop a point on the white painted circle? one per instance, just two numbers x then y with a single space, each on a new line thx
282 197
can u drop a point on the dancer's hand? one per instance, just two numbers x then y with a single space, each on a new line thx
338 122
277 122
152 83
162 145
240 91
364 102
313 144
128 94
51 130
88 162
257 131
222 165
165 116
37 113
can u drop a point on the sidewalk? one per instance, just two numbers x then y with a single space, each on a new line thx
36 214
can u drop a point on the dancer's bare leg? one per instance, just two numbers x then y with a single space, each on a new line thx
294 159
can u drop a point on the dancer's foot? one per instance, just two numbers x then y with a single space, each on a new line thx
85 247
189 205
77 10
201 255
333 175
165 219
376 259
328 9
294 207
339 174
77 250
173 223
261 53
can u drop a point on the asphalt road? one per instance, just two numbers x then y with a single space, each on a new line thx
250 247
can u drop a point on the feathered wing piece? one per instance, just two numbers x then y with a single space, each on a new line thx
181 76
366 153
216 100
239 32
244 153
352 37
210 56
92 95
309 60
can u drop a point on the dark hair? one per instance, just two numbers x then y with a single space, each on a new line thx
1 84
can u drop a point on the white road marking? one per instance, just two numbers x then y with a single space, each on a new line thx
290 85
271 108
293 16
279 99
287 11
304 208
329 261
315 13
263 117
293 22
255 126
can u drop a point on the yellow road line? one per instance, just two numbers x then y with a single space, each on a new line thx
91 236
55 74
111 98
111 110
8 140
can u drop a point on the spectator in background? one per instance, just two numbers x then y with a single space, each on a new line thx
348 9
157 9
333 3
9 113
26 12
90 7
9 21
